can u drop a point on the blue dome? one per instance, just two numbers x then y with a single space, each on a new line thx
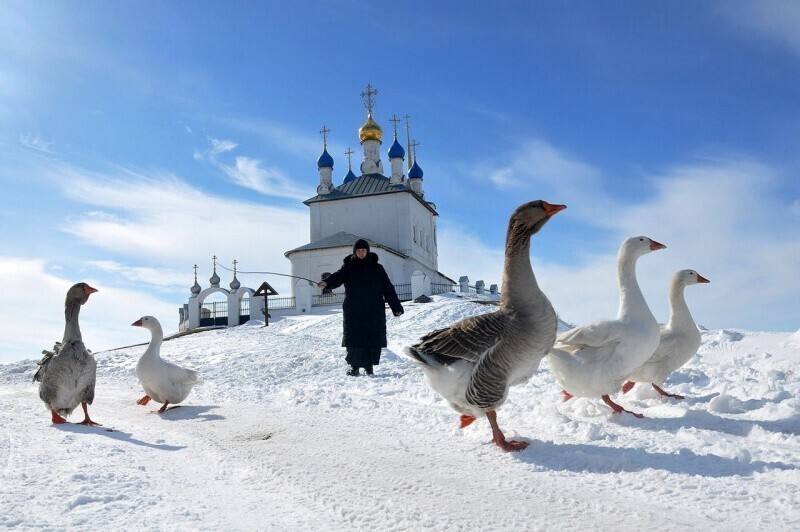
415 172
325 160
349 177
396 150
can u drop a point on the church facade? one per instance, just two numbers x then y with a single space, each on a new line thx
390 212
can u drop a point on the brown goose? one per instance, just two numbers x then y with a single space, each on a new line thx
67 374
473 363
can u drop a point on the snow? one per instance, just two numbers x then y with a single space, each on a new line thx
278 438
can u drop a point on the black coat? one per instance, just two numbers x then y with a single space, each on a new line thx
366 286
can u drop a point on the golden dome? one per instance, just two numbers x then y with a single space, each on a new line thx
370 130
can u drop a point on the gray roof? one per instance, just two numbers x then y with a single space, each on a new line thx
340 240
368 185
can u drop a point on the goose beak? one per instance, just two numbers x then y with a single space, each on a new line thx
551 209
701 279
656 245
137 323
88 290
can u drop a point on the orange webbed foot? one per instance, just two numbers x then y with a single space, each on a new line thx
628 386
466 420
144 400
511 446
58 420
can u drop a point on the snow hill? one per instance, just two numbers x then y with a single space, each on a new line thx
278 438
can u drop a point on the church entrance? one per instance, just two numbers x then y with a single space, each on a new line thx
214 311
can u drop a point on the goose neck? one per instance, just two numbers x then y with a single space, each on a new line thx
520 288
631 300
72 329
679 310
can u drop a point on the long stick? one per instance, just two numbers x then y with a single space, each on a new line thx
271 273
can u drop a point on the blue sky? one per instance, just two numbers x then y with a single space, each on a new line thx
140 138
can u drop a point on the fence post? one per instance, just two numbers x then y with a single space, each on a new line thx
493 290
479 287
417 284
463 281
302 294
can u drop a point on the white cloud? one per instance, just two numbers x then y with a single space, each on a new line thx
159 277
105 319
163 223
777 20
251 173
718 216
35 142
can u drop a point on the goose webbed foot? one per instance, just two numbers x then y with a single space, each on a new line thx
144 400
667 394
618 409
466 419
58 420
86 419
567 395
628 386
499 438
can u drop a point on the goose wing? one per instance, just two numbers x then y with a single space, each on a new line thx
598 334
468 339
179 375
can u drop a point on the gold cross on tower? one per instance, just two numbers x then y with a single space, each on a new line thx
324 132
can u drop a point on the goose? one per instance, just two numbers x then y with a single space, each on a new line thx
67 373
162 381
679 341
595 359
473 363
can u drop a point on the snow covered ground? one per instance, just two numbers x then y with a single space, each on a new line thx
278 438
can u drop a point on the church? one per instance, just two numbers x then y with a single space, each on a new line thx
390 212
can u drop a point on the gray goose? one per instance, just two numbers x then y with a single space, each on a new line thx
67 374
473 363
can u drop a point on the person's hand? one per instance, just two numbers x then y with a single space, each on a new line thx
398 313
322 285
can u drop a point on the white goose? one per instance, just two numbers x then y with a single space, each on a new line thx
594 360
680 338
67 373
162 381
473 363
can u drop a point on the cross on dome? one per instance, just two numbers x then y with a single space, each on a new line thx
369 97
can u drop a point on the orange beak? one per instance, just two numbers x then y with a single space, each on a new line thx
656 245
137 323
701 279
89 290
551 209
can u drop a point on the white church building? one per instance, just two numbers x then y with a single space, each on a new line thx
390 212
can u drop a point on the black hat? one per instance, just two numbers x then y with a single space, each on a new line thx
360 244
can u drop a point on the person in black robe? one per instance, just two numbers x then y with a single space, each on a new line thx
366 287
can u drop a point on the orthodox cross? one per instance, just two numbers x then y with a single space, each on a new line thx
195 273
368 95
414 145
349 152
324 132
408 141
235 262
394 120
214 258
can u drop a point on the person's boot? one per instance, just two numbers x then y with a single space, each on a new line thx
368 369
353 371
